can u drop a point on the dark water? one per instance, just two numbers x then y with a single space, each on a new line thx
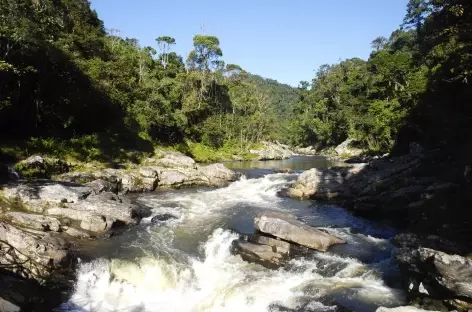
185 264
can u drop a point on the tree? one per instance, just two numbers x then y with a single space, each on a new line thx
206 53
165 43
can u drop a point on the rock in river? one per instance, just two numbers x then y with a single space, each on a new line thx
287 227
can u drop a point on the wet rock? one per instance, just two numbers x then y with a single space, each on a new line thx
290 229
34 221
278 246
345 150
262 254
402 309
31 254
163 217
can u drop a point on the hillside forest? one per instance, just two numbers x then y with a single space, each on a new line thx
69 85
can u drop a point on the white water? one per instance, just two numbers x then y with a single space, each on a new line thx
186 264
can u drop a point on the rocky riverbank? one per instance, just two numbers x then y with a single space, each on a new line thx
47 218
422 196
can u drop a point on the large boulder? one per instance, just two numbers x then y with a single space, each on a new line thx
273 151
34 221
171 160
150 176
37 194
324 183
403 309
31 254
99 213
287 227
346 150
263 254
433 273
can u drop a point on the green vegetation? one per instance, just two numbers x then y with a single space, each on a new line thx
70 89
414 86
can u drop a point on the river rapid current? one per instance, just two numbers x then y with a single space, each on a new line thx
185 263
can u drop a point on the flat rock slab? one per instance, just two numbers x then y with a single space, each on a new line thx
34 221
402 309
46 191
288 228
262 254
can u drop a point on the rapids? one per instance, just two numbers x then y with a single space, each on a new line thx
185 263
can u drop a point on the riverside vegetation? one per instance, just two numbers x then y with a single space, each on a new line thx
110 116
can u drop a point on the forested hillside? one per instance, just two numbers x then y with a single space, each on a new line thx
65 78
415 86
68 84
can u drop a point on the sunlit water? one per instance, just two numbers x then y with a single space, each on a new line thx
185 264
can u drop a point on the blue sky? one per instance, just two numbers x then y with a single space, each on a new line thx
286 40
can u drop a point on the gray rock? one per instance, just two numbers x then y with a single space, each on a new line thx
217 175
273 151
31 254
292 230
278 246
77 233
99 186
323 183
172 160
34 221
259 253
37 194
7 306
344 149
95 223
309 150
101 212
402 309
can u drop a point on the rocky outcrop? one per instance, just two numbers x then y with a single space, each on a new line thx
36 194
435 274
34 221
273 151
346 150
403 309
309 150
263 254
31 254
150 177
323 183
385 185
281 237
288 228
96 213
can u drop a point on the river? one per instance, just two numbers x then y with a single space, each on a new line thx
185 263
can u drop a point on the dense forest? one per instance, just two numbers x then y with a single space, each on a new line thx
65 78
